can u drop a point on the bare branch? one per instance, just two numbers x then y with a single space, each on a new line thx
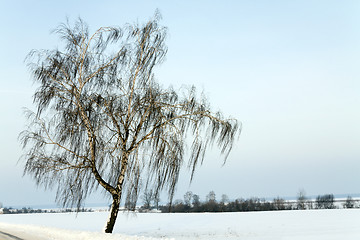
103 120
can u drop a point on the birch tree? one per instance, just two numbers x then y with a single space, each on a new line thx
102 121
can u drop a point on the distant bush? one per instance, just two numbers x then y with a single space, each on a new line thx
349 203
325 201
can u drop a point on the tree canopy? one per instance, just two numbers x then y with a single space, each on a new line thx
102 119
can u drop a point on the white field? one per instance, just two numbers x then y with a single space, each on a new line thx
285 225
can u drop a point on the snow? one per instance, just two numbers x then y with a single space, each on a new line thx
285 225
32 232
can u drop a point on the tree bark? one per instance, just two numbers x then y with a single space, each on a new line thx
109 227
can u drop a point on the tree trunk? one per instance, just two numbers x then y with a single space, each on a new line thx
117 196
113 215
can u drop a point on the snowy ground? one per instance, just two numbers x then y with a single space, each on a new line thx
285 225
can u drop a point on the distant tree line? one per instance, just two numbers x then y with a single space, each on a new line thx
191 203
25 210
326 201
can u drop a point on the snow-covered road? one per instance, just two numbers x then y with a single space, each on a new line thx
11 234
8 236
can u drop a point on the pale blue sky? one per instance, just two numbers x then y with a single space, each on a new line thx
289 70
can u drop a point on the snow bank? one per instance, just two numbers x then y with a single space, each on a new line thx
32 232
286 225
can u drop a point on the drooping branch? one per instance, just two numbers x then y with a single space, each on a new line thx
106 122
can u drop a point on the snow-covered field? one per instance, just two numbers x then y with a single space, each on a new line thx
285 225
